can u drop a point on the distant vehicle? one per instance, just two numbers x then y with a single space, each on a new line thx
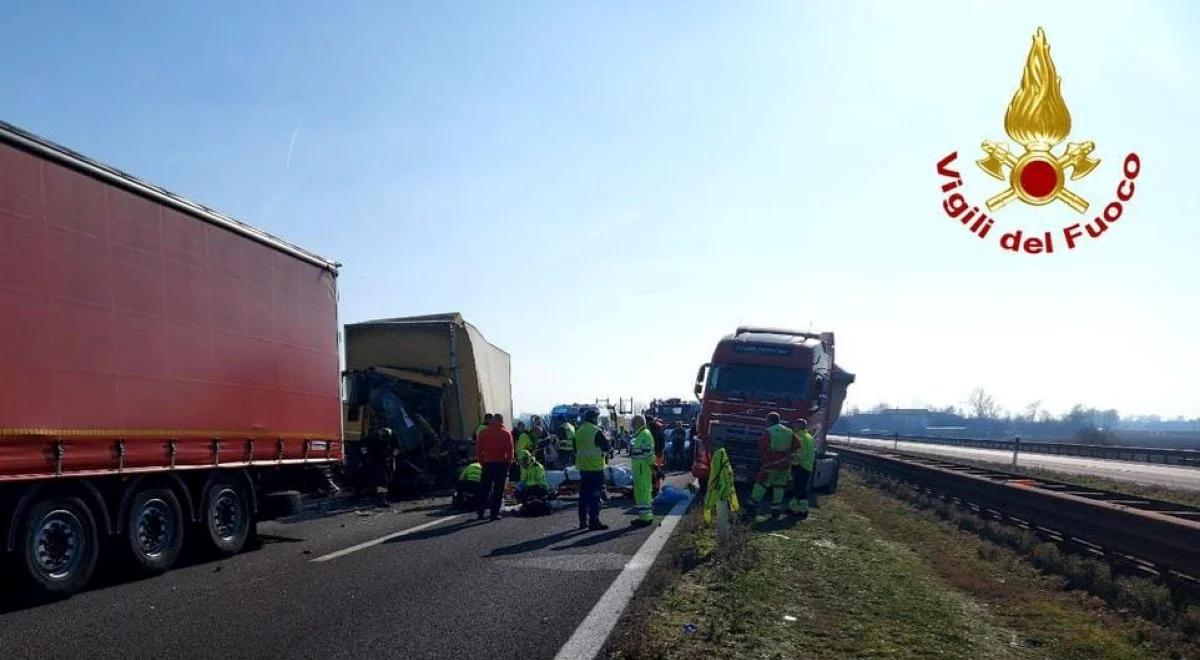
755 371
675 410
167 373
574 412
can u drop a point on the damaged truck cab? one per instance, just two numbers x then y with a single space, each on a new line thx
755 371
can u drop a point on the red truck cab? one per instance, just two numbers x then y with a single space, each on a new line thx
756 371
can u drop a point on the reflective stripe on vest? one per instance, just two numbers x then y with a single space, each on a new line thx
642 447
588 457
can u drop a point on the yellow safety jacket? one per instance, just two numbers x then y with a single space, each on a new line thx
642 447
720 485
588 456
567 441
525 441
807 454
532 472
473 473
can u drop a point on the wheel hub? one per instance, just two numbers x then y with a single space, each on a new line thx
154 528
226 514
57 542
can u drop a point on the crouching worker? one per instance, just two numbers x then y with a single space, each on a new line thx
466 491
533 492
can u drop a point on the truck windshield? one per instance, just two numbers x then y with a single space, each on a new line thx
749 379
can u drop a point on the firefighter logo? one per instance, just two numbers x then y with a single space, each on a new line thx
1038 120
1037 171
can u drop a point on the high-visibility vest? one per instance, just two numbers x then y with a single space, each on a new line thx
525 441
567 441
472 473
642 447
807 455
588 456
533 474
781 437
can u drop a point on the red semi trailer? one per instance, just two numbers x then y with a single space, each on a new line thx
165 371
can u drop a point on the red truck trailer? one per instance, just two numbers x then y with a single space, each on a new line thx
166 371
756 371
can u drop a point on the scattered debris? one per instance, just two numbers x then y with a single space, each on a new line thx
826 544
789 618
782 536
689 629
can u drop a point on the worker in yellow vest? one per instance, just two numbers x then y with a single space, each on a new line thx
467 489
777 445
802 467
566 444
590 447
641 455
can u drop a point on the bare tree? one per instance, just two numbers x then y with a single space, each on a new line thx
1032 410
982 405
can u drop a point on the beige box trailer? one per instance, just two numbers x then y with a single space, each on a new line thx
441 350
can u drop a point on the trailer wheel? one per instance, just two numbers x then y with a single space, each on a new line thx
58 546
227 518
154 530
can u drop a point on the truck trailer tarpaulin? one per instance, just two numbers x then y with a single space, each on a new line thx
166 372
132 315
446 349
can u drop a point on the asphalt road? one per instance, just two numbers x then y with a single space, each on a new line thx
1143 473
516 588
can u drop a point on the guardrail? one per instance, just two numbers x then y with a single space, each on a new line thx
1162 455
1163 534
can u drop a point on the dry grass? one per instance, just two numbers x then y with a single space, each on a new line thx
870 576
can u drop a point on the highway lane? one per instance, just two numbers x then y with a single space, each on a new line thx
457 587
1142 473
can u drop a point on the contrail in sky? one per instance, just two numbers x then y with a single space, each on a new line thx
287 164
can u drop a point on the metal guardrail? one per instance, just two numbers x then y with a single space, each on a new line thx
1162 534
1160 455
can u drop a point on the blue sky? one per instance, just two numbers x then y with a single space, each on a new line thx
605 189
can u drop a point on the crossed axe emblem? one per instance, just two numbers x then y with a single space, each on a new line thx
1076 157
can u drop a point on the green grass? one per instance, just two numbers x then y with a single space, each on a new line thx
868 576
851 593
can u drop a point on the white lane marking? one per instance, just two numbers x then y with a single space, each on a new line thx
384 539
591 634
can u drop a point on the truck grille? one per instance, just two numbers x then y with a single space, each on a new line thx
741 443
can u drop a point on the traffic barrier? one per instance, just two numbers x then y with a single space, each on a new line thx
1158 455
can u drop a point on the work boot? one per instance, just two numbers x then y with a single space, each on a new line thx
583 524
479 515
597 526
639 522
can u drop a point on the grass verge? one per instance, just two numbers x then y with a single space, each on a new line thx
868 576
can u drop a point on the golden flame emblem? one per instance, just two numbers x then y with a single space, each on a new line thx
1038 120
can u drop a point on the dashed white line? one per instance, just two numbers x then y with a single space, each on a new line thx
383 539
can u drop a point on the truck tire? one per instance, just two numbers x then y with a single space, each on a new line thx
831 487
153 530
227 522
57 546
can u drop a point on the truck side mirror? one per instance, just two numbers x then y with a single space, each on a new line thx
700 373
697 389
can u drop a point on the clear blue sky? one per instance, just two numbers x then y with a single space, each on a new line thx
605 189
